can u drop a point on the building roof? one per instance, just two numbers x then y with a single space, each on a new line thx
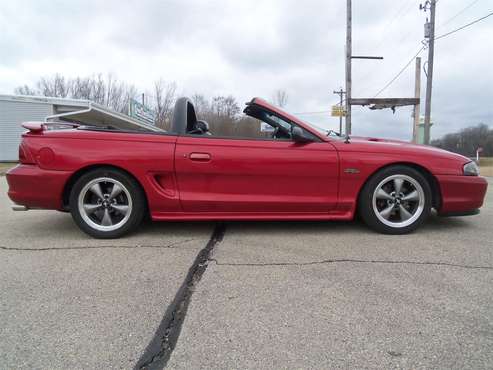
45 100
83 111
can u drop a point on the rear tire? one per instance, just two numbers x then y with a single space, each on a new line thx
396 200
107 203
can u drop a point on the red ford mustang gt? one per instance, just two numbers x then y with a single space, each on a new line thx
110 179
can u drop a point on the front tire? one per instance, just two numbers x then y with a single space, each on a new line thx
107 203
396 200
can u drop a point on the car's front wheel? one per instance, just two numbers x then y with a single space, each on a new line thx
396 200
107 203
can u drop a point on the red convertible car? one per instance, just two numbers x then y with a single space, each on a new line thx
109 179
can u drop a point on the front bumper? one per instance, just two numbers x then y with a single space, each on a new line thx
461 194
34 187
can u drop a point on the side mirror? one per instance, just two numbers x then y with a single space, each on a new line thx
299 135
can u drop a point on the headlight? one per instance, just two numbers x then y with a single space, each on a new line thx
471 169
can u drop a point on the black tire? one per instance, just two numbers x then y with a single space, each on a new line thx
131 196
395 223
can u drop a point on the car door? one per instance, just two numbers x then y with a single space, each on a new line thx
236 175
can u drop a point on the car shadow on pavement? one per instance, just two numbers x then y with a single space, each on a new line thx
446 223
342 227
47 225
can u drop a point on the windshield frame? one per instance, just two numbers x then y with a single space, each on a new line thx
317 131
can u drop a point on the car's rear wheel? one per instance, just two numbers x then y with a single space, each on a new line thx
107 203
396 200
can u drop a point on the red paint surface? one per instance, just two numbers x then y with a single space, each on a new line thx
207 177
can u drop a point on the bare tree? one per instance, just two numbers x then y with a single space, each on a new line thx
56 86
202 107
115 94
225 106
81 88
111 92
223 115
165 97
280 98
24 90
221 112
231 107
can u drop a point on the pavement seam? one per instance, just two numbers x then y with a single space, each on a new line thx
161 346
172 245
349 260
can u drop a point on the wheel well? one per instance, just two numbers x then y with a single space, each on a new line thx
77 175
436 200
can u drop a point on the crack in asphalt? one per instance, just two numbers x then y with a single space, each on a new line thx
161 346
169 246
350 260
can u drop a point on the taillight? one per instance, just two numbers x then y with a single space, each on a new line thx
24 156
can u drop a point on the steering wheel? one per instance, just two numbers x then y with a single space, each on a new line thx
281 133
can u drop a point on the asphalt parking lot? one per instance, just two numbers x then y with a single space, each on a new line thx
265 295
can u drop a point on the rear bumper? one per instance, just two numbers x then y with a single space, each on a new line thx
34 187
461 194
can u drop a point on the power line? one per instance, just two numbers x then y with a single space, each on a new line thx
457 14
402 10
422 48
400 72
419 51
309 113
320 111
464 26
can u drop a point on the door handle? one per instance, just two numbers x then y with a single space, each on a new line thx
200 157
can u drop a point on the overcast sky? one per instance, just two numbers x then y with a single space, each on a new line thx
251 48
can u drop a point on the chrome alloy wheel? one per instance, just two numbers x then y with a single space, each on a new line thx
398 201
105 204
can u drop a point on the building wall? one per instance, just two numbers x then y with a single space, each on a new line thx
12 114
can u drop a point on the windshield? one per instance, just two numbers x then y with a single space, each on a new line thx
281 118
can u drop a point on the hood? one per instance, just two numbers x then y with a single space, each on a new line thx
377 140
381 145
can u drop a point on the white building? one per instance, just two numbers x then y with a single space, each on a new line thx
16 109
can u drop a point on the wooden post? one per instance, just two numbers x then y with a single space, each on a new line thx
348 67
384 102
417 94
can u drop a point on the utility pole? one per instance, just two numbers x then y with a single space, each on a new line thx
340 93
430 34
348 66
417 94
349 58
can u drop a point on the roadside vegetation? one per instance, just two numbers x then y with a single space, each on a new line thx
468 140
222 112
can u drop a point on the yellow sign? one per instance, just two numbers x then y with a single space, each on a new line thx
338 111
